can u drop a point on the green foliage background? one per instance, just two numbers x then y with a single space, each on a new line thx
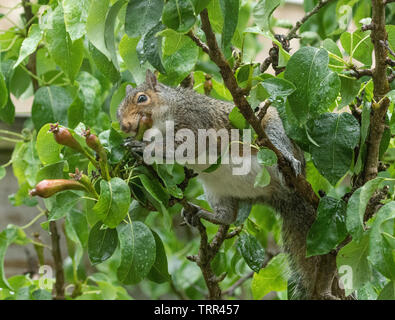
87 51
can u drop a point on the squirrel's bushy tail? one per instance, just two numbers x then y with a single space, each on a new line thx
297 216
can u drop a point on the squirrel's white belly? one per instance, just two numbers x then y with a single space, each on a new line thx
224 183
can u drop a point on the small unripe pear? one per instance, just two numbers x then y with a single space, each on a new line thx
64 137
49 187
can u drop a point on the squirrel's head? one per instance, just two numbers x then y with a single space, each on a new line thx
139 102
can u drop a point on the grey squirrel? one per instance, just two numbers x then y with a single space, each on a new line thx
191 110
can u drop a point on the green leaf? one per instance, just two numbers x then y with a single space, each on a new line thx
237 119
50 105
266 157
153 47
142 16
96 23
105 65
75 113
77 223
127 50
262 12
337 134
3 92
391 36
7 114
62 204
29 44
332 47
358 45
165 172
381 242
357 206
329 228
109 27
179 63
75 16
262 179
243 212
20 82
90 92
354 255
251 250
47 148
113 204
388 292
67 54
41 294
159 272
51 171
102 243
178 15
155 189
215 15
271 278
138 252
365 122
116 99
2 172
230 12
348 91
278 88
316 85
7 237
200 5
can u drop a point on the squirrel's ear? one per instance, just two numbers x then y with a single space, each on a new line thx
150 79
129 89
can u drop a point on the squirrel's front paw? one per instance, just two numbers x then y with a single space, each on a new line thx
190 215
134 145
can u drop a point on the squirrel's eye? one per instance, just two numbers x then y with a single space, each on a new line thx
142 98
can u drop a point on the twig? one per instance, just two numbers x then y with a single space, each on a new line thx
374 203
359 73
263 109
32 62
199 42
57 257
188 82
386 45
234 233
388 1
231 290
292 33
207 252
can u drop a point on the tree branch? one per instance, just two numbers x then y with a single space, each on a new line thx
207 252
31 64
198 42
58 261
381 88
292 33
298 183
